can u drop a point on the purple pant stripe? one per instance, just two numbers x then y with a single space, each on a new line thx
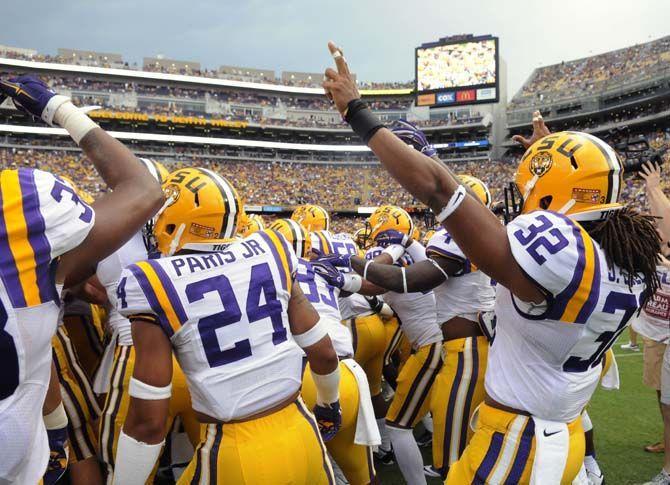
489 460
522 453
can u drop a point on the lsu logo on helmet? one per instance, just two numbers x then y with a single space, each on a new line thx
312 217
200 207
569 172
389 217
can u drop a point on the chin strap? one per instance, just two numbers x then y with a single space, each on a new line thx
175 240
568 205
530 186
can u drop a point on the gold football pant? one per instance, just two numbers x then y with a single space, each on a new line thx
354 460
78 397
87 335
396 341
502 450
411 401
118 399
369 339
284 447
458 390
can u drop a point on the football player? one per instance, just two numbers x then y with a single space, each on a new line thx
572 267
352 453
463 295
417 316
43 219
251 223
115 373
236 321
362 316
312 217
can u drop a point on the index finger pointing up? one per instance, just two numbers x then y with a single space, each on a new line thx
340 62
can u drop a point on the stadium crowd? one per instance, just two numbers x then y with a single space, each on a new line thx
594 74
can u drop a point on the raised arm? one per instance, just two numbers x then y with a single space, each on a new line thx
136 194
659 205
475 229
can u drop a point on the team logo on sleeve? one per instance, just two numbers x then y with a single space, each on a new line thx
541 163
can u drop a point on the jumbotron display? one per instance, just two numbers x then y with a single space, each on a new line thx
457 71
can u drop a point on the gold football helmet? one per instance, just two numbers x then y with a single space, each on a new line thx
156 169
312 217
362 237
200 207
478 187
250 223
569 172
389 217
427 236
295 234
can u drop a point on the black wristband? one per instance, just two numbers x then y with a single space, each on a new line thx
362 120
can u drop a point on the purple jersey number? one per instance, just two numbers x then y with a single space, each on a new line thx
533 243
57 193
261 284
309 288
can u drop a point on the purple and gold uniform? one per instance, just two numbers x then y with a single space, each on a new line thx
546 360
225 314
42 218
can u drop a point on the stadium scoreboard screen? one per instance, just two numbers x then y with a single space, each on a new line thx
455 72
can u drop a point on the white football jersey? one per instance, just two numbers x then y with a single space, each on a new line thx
654 319
109 272
416 311
42 218
546 359
464 294
324 299
225 314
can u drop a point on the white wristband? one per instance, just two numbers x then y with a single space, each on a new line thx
455 201
352 282
313 335
365 269
142 390
395 251
416 251
56 419
327 387
77 123
134 460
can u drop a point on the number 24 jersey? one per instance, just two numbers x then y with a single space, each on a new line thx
546 359
225 314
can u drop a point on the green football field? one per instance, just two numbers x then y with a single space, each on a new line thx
624 421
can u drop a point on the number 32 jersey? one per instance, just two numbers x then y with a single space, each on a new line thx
546 359
42 218
225 314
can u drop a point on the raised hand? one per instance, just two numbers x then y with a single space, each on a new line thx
540 130
651 173
409 133
33 96
338 260
339 85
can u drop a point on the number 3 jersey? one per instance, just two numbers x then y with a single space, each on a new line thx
42 218
546 359
225 314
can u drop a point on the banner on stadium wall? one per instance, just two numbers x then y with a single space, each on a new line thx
180 120
447 97
466 95
253 208
466 144
486 93
273 208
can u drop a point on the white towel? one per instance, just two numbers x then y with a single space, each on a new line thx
610 380
367 432
552 443
103 376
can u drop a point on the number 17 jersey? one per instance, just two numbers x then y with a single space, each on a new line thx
225 314
546 359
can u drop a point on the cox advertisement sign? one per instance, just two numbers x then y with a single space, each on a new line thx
446 97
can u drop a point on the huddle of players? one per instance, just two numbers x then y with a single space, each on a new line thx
254 323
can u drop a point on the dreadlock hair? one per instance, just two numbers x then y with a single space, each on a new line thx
631 242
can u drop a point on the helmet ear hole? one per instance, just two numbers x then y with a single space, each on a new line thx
545 202
170 228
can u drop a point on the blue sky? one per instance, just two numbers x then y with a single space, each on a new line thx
378 37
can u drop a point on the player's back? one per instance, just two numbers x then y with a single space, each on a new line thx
466 293
225 313
546 360
42 218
